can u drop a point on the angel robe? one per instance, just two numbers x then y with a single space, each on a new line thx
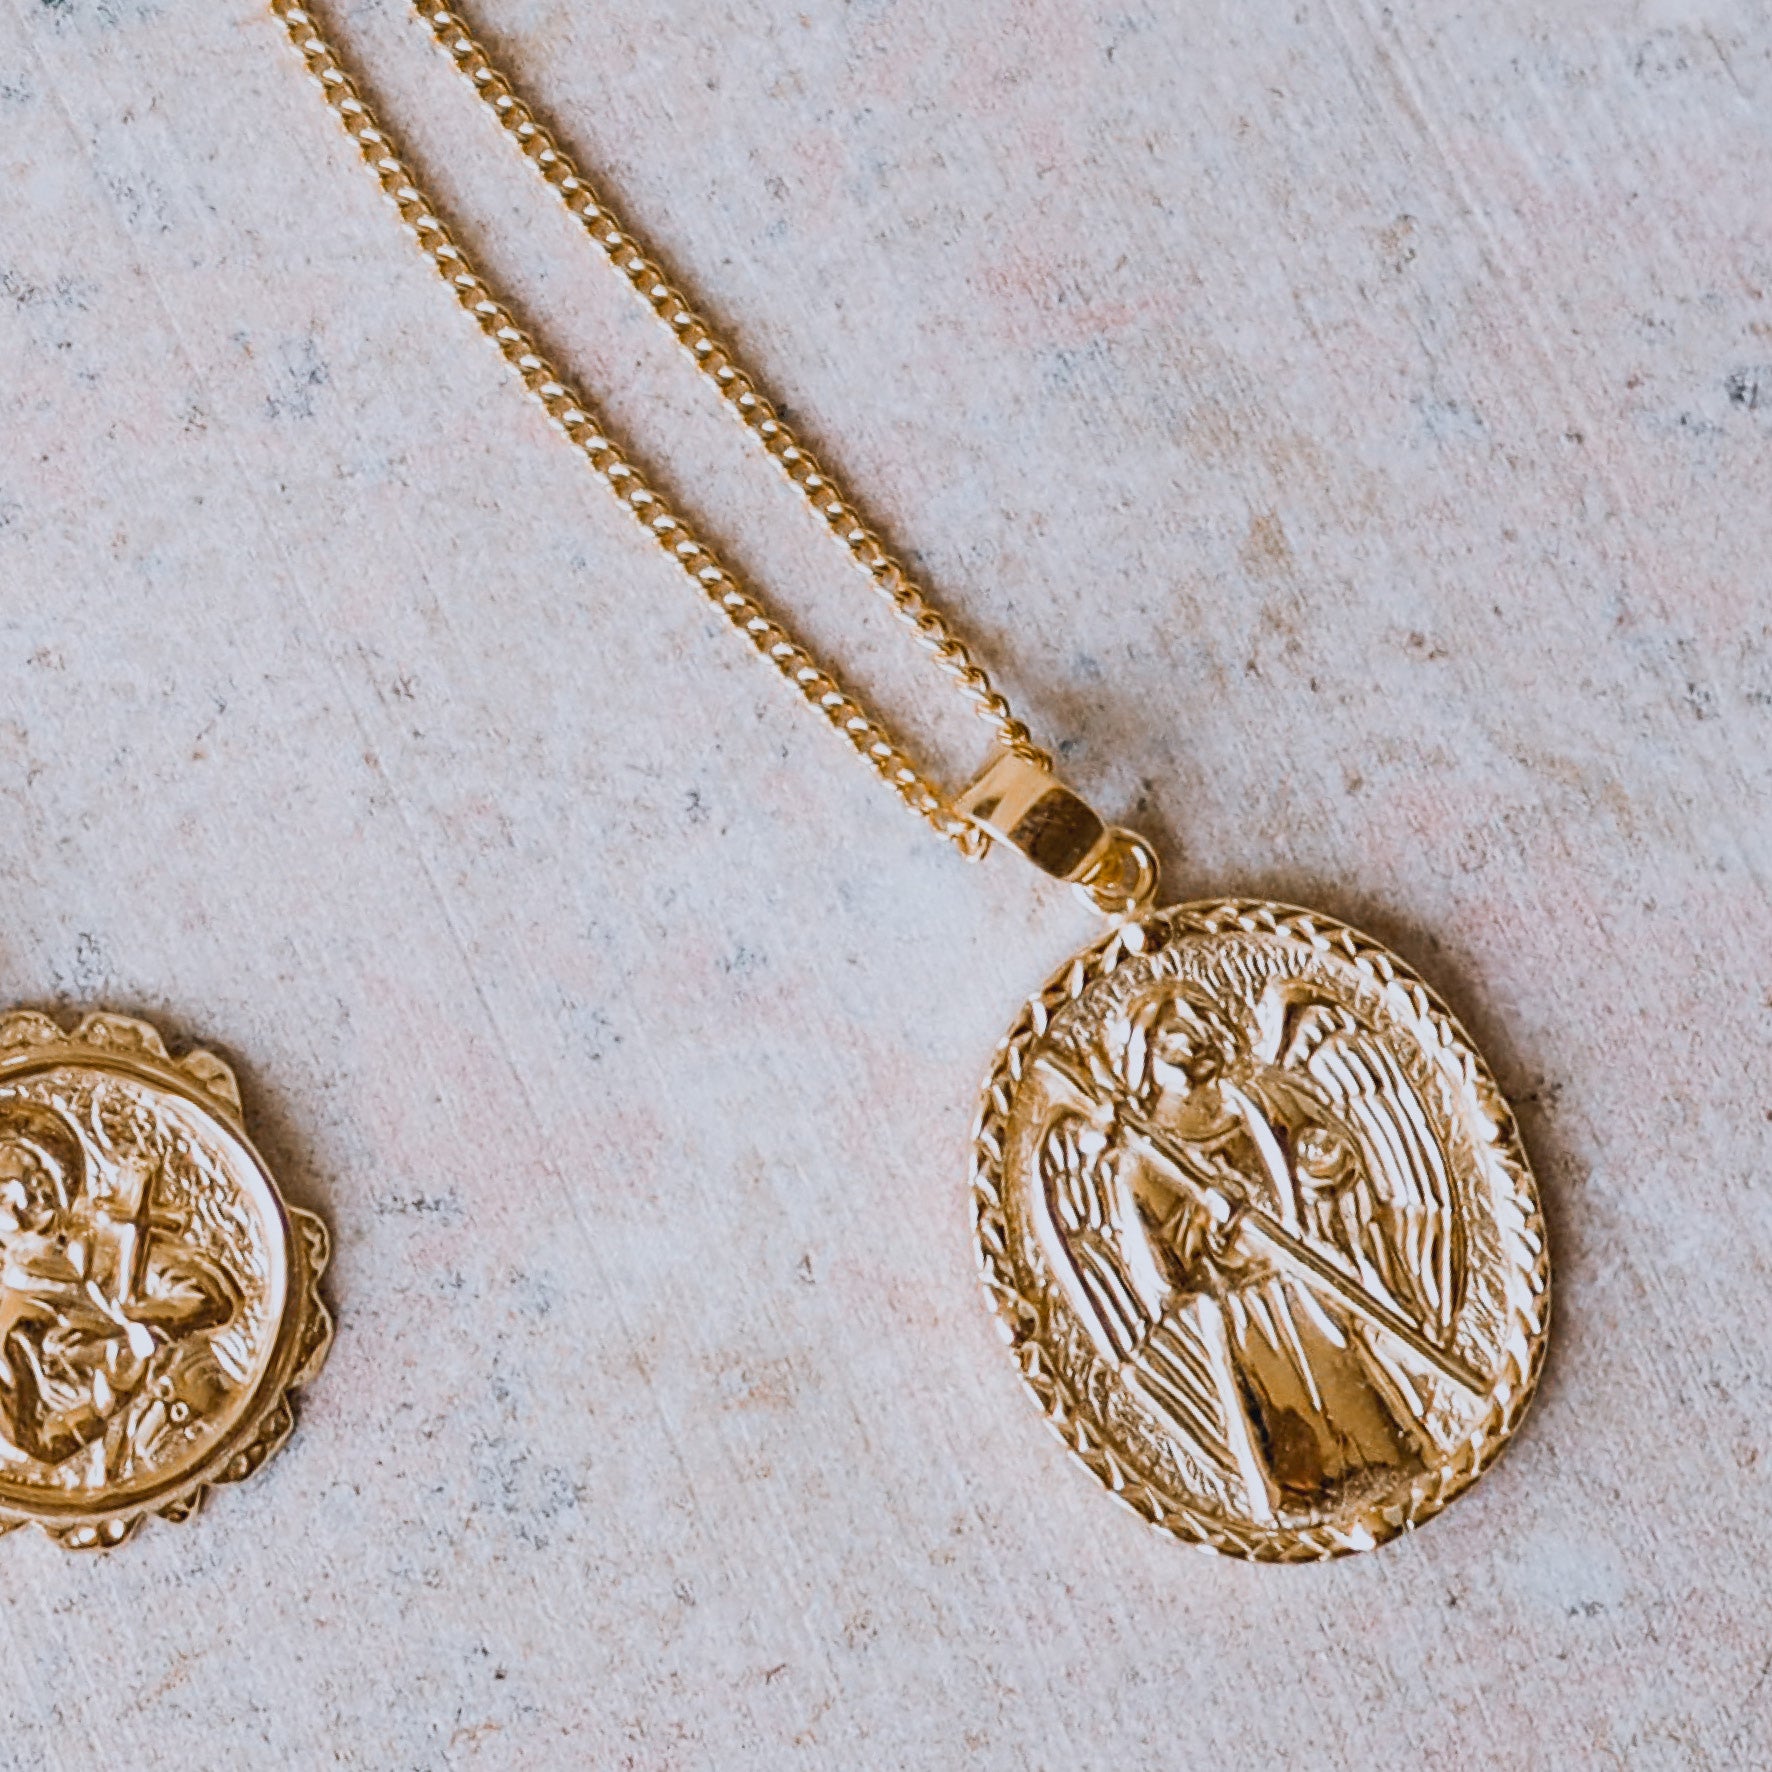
1273 1381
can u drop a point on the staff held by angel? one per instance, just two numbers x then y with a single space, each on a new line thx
1253 1219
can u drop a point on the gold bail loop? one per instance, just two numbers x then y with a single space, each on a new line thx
1025 805
1124 882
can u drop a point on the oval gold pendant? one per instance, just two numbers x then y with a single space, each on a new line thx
158 1300
1257 1223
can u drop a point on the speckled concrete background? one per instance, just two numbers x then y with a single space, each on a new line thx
1350 430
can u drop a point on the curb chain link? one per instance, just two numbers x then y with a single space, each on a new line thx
573 415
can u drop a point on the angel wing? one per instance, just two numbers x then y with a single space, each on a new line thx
1391 1214
1166 1343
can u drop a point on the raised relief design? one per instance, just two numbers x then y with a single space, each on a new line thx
1260 1230
158 1301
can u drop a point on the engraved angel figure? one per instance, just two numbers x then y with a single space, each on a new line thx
103 1315
1253 1218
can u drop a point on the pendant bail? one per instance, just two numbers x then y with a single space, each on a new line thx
1022 803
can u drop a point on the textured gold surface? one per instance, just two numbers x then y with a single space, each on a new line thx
158 1300
1257 1223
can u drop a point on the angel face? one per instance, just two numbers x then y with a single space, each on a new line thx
1190 1045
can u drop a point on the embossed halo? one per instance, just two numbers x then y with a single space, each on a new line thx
158 1300
1256 1223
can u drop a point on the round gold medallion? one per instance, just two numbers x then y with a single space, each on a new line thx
158 1300
1257 1223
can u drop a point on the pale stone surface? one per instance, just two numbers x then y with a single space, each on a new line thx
1350 430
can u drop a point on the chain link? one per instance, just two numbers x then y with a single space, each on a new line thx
573 415
636 260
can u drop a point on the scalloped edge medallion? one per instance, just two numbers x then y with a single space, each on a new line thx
32 1041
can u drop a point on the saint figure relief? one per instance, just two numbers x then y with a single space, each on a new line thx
106 1312
1251 1213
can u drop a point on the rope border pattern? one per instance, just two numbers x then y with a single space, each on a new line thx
1020 1317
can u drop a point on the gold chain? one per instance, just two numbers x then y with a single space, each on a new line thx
574 417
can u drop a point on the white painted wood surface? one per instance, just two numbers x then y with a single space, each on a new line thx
1349 428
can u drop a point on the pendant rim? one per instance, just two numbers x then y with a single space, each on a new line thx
1020 1319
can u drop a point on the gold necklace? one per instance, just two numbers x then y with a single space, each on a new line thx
1253 1215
